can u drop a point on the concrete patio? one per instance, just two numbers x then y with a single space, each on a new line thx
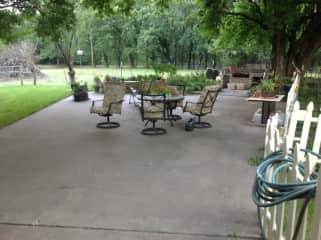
62 178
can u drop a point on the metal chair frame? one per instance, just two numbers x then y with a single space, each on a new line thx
107 124
199 123
153 131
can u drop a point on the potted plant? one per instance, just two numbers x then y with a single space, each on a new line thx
256 91
97 84
80 91
107 78
267 88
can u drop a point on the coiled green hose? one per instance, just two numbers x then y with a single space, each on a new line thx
267 192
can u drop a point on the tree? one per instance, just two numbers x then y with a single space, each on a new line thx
291 26
12 12
56 21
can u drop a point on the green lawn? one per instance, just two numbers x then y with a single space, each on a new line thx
17 102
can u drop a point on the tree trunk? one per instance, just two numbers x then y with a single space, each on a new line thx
190 53
206 60
106 59
279 58
71 73
131 59
65 52
92 50
34 74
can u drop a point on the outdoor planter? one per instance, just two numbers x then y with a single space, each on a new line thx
80 96
80 92
268 94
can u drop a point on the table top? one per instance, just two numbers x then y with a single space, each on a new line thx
173 98
277 98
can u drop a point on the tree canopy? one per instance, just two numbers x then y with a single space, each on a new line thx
170 31
292 27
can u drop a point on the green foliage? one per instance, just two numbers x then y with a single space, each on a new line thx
162 69
55 18
97 80
310 91
266 85
13 14
148 77
107 78
78 87
161 90
193 82
291 27
145 37
17 102
258 158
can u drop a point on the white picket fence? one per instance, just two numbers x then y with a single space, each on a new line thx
279 222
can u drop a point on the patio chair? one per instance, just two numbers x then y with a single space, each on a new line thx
111 104
203 106
153 109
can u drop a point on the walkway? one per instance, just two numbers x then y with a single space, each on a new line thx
62 178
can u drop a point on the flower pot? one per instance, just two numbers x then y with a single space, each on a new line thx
80 96
268 94
258 94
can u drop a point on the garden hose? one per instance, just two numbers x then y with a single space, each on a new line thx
267 192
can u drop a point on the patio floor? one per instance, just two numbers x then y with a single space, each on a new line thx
62 178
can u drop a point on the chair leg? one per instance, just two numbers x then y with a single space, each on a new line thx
108 124
153 131
131 97
200 124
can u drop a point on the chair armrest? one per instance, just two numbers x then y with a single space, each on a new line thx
114 103
94 101
190 102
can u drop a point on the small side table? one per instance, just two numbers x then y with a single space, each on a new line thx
268 105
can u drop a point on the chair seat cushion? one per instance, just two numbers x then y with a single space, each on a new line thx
193 108
98 110
115 108
153 111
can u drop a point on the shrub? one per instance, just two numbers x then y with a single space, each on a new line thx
162 69
193 82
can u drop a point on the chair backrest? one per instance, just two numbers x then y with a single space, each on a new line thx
114 92
145 87
153 103
208 98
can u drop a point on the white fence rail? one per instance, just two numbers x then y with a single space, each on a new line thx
301 130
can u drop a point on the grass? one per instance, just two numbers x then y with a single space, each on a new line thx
258 158
17 102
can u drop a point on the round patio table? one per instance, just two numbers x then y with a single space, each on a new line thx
169 100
